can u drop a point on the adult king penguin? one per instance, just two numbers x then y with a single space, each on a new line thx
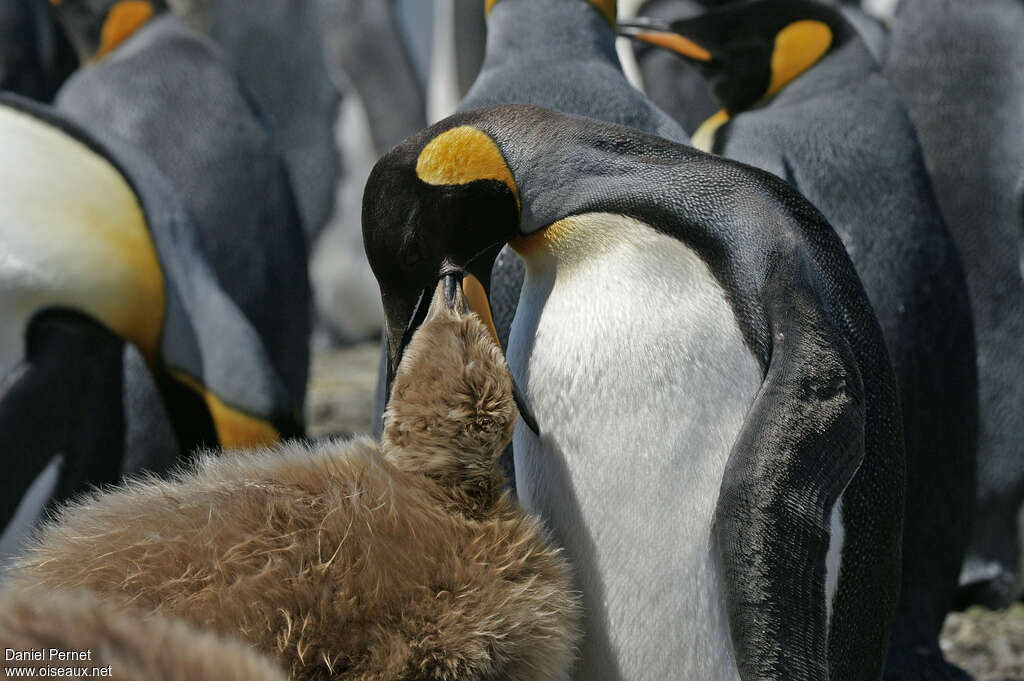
559 54
719 448
960 69
154 83
118 348
803 98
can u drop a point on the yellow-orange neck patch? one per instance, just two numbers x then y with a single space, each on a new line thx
234 428
608 8
122 21
545 239
797 48
463 155
704 137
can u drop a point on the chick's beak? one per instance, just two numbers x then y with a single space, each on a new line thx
462 292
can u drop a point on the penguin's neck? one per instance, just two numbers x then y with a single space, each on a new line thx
562 30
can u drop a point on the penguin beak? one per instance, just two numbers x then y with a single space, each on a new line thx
660 35
462 291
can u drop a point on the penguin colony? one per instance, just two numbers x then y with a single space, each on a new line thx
760 307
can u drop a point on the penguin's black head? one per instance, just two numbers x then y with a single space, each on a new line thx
441 204
748 50
97 27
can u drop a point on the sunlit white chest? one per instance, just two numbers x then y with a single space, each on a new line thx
625 346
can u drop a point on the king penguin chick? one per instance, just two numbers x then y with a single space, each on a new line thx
804 99
153 82
716 439
119 350
403 559
122 644
960 69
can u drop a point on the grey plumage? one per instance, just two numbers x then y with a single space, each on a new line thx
960 70
169 91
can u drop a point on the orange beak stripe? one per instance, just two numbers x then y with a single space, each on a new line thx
676 43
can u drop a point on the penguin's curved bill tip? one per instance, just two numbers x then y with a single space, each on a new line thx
659 35
461 292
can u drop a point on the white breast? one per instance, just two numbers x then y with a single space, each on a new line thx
72 234
631 357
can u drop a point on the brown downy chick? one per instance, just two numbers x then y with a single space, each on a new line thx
451 411
347 560
121 644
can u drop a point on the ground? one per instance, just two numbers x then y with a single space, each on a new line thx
988 644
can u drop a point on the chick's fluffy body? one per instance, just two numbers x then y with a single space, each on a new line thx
346 560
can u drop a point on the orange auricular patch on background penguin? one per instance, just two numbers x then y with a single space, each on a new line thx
123 20
797 48
608 8
234 428
463 155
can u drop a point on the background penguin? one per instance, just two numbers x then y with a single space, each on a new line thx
697 348
558 54
393 560
170 92
678 87
960 70
365 48
118 348
804 99
276 49
34 56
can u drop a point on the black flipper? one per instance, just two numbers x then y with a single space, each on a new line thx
64 398
800 446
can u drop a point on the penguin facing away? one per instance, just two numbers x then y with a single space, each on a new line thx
277 51
960 70
119 351
804 99
154 83
392 560
719 450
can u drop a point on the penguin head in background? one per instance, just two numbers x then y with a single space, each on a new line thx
97 27
748 50
441 205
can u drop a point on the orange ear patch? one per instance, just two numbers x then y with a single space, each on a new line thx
463 155
123 20
797 48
